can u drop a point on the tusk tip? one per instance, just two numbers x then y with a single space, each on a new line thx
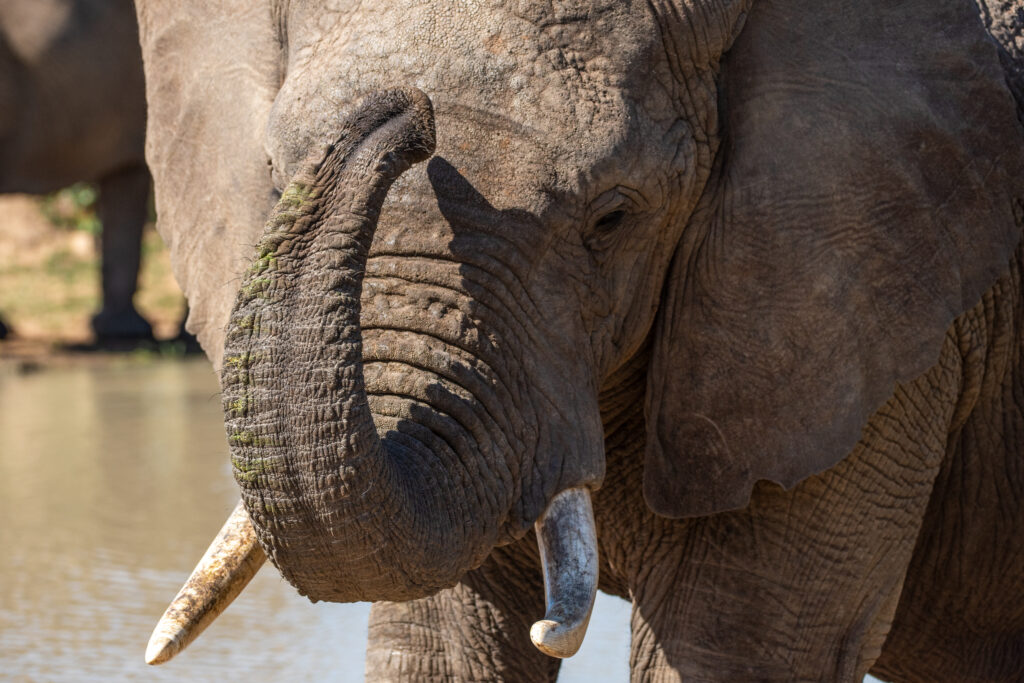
567 541
555 639
229 563
161 648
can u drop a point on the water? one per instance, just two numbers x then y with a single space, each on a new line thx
113 479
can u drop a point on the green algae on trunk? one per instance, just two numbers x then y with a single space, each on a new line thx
336 508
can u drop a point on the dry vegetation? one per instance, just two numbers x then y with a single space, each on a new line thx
49 273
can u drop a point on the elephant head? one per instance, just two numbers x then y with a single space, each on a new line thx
412 358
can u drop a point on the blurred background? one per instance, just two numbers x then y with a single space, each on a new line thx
50 273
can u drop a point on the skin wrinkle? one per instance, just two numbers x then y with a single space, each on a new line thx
463 371
327 484
502 426
556 403
493 256
468 421
641 661
458 446
522 329
527 306
500 374
492 646
409 429
488 404
677 572
944 604
443 471
457 336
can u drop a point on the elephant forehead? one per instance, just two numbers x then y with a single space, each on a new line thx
569 80
455 44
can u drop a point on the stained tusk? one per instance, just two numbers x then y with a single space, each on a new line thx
568 552
229 564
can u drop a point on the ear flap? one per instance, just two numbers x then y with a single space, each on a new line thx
212 72
868 192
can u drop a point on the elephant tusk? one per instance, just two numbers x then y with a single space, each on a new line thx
229 564
567 539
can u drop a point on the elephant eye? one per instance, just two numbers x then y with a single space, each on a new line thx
609 222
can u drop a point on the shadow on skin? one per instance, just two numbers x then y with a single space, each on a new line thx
457 198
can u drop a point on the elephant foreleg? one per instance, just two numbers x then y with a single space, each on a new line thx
476 631
122 209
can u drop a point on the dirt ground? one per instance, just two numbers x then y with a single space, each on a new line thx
50 282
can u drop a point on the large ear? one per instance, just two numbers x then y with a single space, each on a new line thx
212 71
868 191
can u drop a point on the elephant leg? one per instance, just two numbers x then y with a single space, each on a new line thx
4 330
122 208
475 631
961 616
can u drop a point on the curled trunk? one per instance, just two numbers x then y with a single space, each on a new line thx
343 514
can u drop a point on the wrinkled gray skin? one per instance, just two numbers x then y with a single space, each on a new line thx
72 108
680 253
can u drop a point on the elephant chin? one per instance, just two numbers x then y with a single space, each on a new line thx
566 536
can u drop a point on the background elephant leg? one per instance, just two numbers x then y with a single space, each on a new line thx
124 197
476 631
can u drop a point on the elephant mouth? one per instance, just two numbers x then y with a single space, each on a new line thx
566 537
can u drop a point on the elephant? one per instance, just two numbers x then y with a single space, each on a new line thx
73 108
713 306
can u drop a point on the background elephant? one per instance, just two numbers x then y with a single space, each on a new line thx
748 271
72 108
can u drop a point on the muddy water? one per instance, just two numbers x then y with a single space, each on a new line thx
113 479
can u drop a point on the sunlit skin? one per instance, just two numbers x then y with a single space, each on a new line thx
744 271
